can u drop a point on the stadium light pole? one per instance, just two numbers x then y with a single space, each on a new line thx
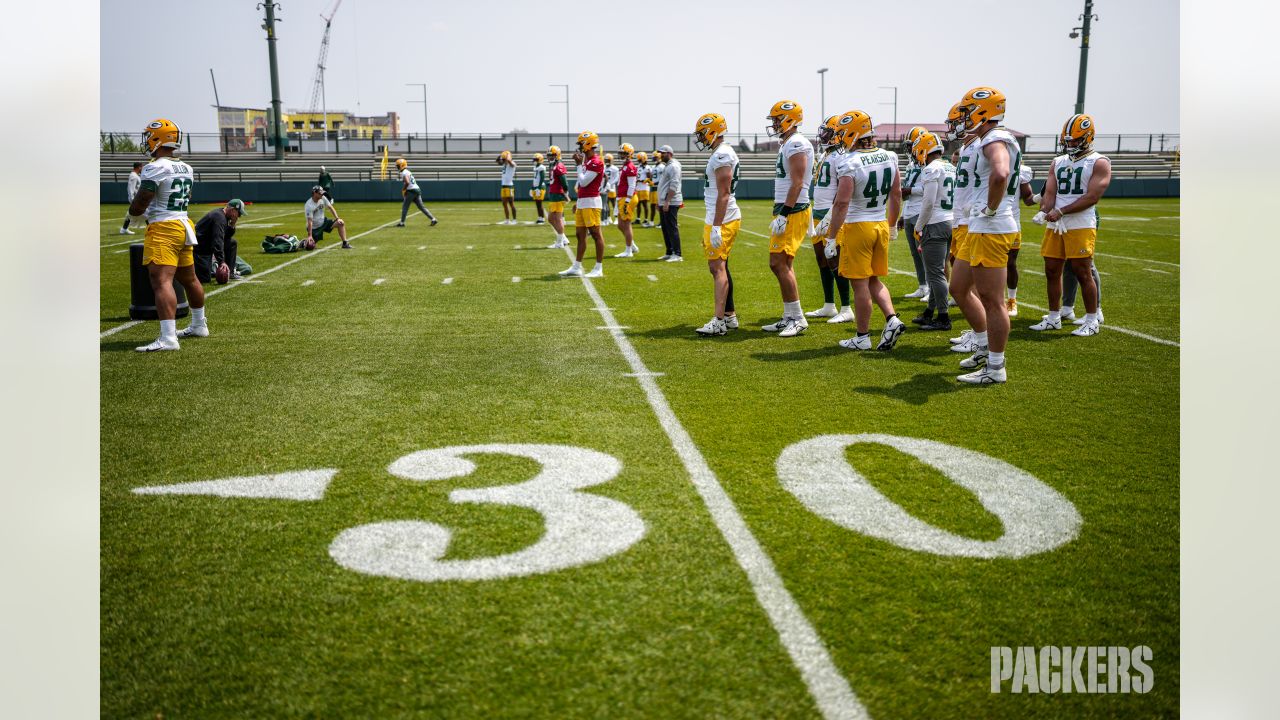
822 107
269 24
426 123
566 105
894 88
1082 32
738 102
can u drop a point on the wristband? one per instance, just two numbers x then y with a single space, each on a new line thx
787 210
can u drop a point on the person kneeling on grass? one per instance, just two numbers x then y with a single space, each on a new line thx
215 241
318 224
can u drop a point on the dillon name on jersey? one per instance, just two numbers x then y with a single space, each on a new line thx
724 155
171 181
1003 221
872 172
797 143
824 180
1072 180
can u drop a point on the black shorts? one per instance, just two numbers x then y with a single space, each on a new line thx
317 233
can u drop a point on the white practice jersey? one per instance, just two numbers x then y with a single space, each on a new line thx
407 177
723 156
539 177
797 143
642 177
611 174
824 180
943 174
135 180
508 175
911 179
964 183
872 172
171 179
1005 220
1025 176
315 210
1073 177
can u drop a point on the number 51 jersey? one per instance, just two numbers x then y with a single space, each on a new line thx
171 181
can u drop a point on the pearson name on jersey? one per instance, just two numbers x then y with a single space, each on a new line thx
872 172
171 181
724 156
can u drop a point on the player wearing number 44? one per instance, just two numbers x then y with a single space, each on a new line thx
859 233
163 196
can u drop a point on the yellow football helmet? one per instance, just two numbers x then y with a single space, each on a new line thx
912 135
401 163
783 116
608 158
504 156
827 133
537 157
955 123
851 127
587 141
709 130
980 105
642 158
626 150
161 133
553 152
1077 135
926 144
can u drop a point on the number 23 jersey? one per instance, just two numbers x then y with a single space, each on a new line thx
171 180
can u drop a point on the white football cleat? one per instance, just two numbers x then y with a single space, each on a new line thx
715 326
925 298
825 311
778 326
575 270
625 253
964 337
792 328
845 315
731 322
1086 330
1068 314
675 258
893 329
979 357
1080 320
126 231
159 344
597 271
194 330
665 257
857 342
918 292
967 346
986 376
1047 324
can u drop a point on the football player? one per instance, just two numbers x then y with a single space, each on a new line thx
626 192
932 229
557 196
791 215
411 193
911 210
135 180
993 204
611 187
824 194
586 213
538 188
964 159
643 172
1077 179
163 195
859 233
655 170
508 191
722 218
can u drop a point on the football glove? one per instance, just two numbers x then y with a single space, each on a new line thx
1038 218
138 220
1035 198
830 248
823 225
981 212
893 233
716 238
778 225
1059 226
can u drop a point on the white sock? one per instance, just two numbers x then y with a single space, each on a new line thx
1013 293
791 309
846 309
197 316
828 306
1055 314
995 359
169 329
1090 317
980 338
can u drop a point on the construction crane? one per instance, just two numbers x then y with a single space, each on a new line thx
317 86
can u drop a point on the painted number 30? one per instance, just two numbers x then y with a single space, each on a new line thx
583 528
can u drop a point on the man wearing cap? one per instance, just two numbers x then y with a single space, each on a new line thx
326 182
317 223
670 200
215 241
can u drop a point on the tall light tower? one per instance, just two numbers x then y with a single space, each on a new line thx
566 106
894 88
822 107
426 123
269 24
1082 32
738 102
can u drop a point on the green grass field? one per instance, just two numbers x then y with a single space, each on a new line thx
629 598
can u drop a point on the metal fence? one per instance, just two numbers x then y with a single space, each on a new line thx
529 143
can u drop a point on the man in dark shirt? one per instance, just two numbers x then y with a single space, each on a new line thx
215 240
326 182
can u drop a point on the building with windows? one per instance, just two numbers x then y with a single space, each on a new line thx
246 128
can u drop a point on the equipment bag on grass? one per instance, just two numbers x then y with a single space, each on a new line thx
276 244
243 267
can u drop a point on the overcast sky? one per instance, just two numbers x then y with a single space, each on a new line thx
487 65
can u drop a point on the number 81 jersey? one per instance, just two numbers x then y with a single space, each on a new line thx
1072 178
171 181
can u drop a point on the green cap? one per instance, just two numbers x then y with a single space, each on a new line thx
237 205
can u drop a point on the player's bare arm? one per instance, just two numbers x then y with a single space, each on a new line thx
895 199
998 158
796 169
840 207
724 183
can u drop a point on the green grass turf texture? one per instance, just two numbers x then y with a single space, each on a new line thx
218 607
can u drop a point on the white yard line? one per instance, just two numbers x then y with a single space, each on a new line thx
515 278
653 278
1162 272
379 281
447 281
830 690
308 282
224 288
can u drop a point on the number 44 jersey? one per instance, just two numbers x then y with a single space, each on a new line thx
171 181
872 171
